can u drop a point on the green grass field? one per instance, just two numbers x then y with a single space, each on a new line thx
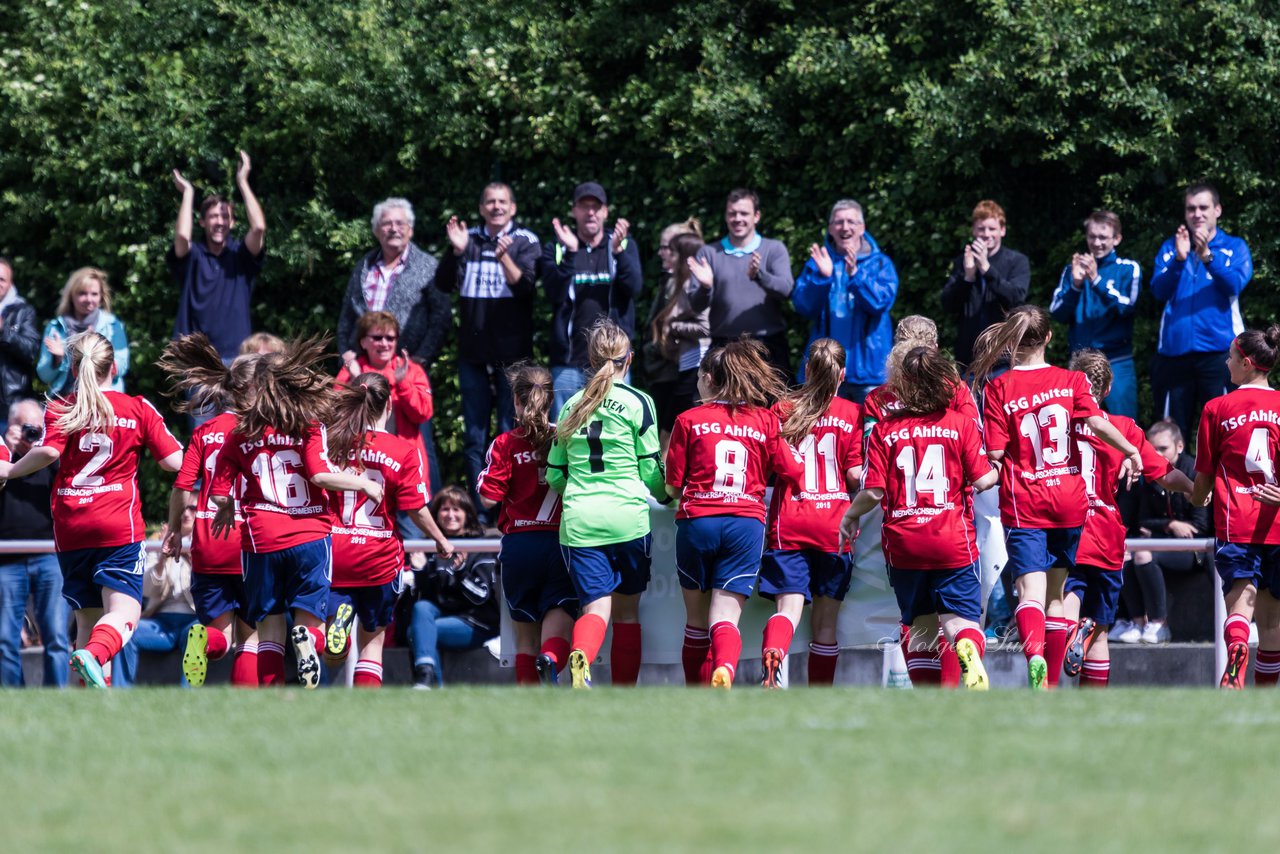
501 769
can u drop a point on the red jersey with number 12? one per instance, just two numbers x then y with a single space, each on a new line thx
1102 540
209 554
1238 443
807 515
515 474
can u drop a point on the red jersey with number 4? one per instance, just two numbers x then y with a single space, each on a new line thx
366 550
720 459
516 475
881 403
95 492
1102 540
1237 444
1028 414
807 515
925 464
281 507
209 554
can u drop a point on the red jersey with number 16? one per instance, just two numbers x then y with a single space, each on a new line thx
720 458
1102 540
1028 413
807 515
95 493
515 474
281 507
209 554
1238 443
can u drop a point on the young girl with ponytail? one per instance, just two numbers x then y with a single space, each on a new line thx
535 580
605 461
803 561
98 435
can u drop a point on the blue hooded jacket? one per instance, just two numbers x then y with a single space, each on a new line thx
1201 304
865 330
1100 313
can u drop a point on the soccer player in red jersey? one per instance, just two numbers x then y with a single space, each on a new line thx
1028 417
720 455
535 579
919 466
279 448
98 435
368 557
912 331
1236 464
1091 593
802 561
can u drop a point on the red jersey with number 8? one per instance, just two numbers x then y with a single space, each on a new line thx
95 493
366 550
721 457
515 475
1102 540
1238 443
1028 413
209 554
807 515
281 507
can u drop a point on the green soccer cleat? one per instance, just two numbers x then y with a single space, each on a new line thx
304 650
88 669
580 669
1037 673
339 633
195 660
973 675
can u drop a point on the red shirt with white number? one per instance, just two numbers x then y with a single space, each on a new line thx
516 475
209 554
281 507
1028 414
366 549
925 464
1237 444
721 457
807 515
95 493
1102 540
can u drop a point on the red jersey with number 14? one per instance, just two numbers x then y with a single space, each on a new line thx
366 550
1238 443
209 554
720 458
1102 540
807 515
515 474
1028 413
95 493
925 464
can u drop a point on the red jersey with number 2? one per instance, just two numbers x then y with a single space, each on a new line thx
366 550
1102 540
1028 413
209 554
516 475
1238 443
95 493
721 457
281 507
807 515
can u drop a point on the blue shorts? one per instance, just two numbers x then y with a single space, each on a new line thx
373 604
719 553
598 571
86 571
215 595
1243 562
534 576
1040 549
810 572
296 577
1099 592
927 591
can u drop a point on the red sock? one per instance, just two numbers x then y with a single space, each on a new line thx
1030 618
1055 646
526 673
778 633
1235 629
368 674
822 663
624 655
923 665
695 654
244 667
104 643
270 663
215 645
1095 674
317 638
978 638
588 635
557 649
948 665
1266 667
726 646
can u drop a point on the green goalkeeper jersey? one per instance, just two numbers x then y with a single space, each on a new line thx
607 470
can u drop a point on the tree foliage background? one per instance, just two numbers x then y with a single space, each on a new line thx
917 109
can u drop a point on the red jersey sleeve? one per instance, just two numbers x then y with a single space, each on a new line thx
414 392
495 480
783 459
1084 406
853 452
191 466
155 435
877 459
227 469
962 402
1154 466
994 421
5 456
972 455
411 491
677 453
53 435
1206 442
315 452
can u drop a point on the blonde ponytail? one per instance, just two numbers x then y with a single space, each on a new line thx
91 357
607 348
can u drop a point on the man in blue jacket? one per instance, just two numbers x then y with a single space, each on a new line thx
1096 297
846 289
1199 274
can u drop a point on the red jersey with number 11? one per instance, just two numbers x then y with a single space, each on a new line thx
807 515
210 555
515 475
1238 443
1102 540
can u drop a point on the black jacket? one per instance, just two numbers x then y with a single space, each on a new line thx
469 592
19 346
986 300
1157 507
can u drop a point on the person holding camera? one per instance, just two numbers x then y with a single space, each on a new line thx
26 514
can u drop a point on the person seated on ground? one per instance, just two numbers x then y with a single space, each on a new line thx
456 608
85 306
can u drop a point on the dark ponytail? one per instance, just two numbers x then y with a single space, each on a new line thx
1260 347
358 405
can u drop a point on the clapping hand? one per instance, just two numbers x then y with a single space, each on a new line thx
183 185
55 345
753 266
242 171
1182 242
402 366
565 235
620 230
822 258
1200 240
504 243
701 271
980 259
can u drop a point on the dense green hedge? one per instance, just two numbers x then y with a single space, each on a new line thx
916 108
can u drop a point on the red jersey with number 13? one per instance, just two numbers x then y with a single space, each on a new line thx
1238 442
807 515
209 554
515 474
1102 540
